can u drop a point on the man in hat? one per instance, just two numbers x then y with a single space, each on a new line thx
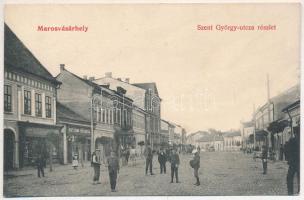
96 165
113 167
162 158
174 159
293 155
264 158
195 164
149 158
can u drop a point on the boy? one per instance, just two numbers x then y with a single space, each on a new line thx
174 159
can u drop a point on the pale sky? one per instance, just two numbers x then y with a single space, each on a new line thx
207 79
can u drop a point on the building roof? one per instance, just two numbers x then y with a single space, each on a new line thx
18 57
147 86
210 138
248 124
232 134
64 112
292 106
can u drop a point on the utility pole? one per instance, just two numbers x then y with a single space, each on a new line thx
254 121
268 106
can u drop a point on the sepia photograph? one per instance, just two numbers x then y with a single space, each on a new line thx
151 99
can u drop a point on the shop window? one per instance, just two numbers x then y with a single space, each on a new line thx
103 115
7 98
107 116
114 115
111 120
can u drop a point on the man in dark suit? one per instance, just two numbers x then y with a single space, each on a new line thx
174 159
293 156
113 167
162 158
40 163
264 158
195 164
149 158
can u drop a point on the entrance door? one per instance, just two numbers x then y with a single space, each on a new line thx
9 139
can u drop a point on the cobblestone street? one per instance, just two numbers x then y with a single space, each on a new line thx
225 173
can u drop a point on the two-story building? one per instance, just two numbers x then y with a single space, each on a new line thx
29 106
165 126
232 140
95 104
145 96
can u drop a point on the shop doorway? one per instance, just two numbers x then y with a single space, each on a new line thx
9 141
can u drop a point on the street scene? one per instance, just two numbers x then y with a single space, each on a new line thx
138 110
216 168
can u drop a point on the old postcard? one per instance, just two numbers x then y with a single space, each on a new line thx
151 99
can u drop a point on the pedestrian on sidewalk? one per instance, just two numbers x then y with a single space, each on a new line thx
75 161
281 152
149 158
264 158
293 155
162 159
40 163
113 168
174 159
195 164
96 165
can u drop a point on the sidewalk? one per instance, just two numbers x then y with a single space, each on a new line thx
28 171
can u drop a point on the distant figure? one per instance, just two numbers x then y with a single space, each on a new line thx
293 155
162 159
281 152
127 154
264 158
195 164
133 155
75 161
285 151
96 165
174 159
40 163
113 167
149 158
199 149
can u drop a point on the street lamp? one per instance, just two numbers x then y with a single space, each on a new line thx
93 99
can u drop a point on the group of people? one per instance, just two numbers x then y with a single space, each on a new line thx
113 168
173 157
292 155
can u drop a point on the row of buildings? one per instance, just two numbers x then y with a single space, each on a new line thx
216 141
274 122
67 114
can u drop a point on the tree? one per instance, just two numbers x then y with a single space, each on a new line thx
52 140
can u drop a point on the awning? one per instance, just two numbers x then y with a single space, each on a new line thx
38 130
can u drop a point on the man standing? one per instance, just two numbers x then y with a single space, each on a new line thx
162 158
149 158
113 167
174 159
96 165
195 164
264 158
40 163
293 155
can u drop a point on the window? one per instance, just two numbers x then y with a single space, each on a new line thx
48 107
99 114
103 116
107 116
38 105
118 117
114 113
111 117
27 102
7 98
125 117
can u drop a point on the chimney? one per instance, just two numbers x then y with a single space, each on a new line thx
127 80
108 74
85 77
119 79
62 67
92 78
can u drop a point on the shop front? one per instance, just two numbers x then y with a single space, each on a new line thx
78 143
39 139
